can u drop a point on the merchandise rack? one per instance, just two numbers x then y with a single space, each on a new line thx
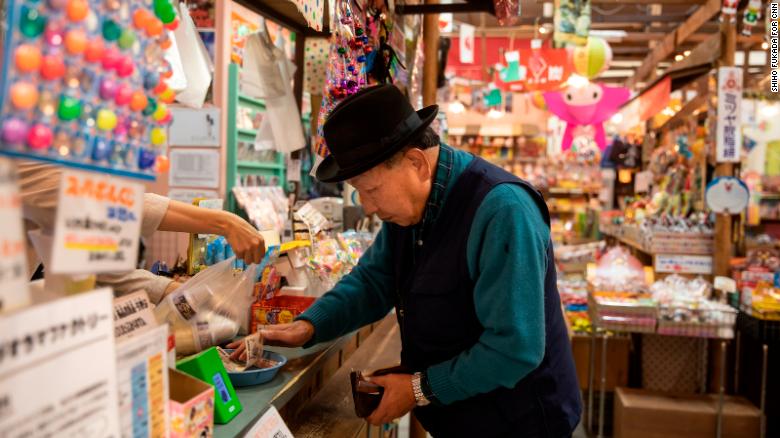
236 168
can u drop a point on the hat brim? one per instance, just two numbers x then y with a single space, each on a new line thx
329 170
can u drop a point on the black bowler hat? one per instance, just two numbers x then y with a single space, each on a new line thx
367 128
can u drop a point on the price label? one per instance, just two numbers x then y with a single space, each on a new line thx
270 425
13 262
98 224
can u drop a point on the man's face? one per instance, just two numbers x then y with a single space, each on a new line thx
397 193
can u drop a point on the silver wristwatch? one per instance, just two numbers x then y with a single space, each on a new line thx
419 396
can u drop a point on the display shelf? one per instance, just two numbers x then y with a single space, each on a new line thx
237 168
247 132
260 165
572 191
686 244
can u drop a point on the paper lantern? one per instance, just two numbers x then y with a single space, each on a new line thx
592 58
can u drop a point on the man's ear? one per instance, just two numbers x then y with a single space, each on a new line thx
420 163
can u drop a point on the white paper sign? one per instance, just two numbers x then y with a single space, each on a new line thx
57 369
683 264
642 181
729 134
727 194
466 44
98 223
133 314
14 293
194 168
189 195
270 425
293 169
195 127
142 378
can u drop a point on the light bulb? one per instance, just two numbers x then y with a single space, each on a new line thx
456 107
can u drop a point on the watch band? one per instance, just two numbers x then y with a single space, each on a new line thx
425 385
419 396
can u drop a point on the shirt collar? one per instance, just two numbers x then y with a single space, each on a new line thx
443 172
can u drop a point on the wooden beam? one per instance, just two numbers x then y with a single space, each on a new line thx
685 112
670 42
454 8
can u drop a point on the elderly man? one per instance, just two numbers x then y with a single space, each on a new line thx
465 258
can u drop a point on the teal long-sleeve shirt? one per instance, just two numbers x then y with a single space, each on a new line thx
506 257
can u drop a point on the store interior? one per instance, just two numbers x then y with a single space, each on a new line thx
158 165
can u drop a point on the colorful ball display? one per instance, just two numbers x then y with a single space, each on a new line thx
592 58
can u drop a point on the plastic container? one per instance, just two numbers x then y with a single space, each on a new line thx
257 376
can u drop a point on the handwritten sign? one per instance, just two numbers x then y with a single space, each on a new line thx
142 374
683 264
58 368
98 224
270 425
728 134
13 262
133 314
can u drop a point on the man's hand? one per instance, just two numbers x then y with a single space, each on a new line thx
286 335
245 240
397 400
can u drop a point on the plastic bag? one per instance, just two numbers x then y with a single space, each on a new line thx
211 308
195 61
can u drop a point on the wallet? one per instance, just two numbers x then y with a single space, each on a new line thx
366 394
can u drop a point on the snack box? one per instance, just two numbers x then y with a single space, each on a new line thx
191 406
280 309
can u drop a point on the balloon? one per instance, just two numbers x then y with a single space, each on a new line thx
593 58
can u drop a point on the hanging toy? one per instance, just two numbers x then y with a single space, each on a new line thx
751 16
382 60
729 10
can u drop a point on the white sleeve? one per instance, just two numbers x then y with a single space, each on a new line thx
155 207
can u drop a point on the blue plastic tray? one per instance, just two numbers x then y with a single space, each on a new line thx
257 376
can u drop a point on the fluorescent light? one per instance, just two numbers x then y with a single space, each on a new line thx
495 114
608 33
456 107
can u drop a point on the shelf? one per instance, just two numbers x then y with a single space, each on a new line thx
563 191
251 101
247 132
641 247
259 165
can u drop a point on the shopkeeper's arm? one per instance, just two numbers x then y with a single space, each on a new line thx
506 255
246 242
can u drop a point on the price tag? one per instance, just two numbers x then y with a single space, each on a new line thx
683 264
133 314
13 261
270 425
98 224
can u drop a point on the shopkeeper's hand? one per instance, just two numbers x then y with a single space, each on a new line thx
397 400
245 240
294 334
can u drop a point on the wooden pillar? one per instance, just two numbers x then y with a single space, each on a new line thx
300 43
431 48
723 222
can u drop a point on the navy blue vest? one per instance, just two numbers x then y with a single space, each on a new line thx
435 310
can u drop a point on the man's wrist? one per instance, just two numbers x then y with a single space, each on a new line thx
425 385
419 396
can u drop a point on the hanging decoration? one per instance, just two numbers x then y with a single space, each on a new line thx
589 105
572 22
351 46
513 71
540 70
592 58
537 100
507 11
492 96
729 10
751 16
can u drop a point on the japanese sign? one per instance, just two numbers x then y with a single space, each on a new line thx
13 261
270 424
142 375
133 314
683 264
98 224
542 69
729 135
57 369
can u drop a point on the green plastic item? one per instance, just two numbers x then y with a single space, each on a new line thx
207 366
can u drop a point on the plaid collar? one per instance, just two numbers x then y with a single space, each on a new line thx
438 190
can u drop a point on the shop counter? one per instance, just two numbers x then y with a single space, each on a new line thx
307 371
303 366
331 412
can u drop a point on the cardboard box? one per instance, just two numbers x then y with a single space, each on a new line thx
191 406
646 414
617 361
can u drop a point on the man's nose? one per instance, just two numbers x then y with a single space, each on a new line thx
369 207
